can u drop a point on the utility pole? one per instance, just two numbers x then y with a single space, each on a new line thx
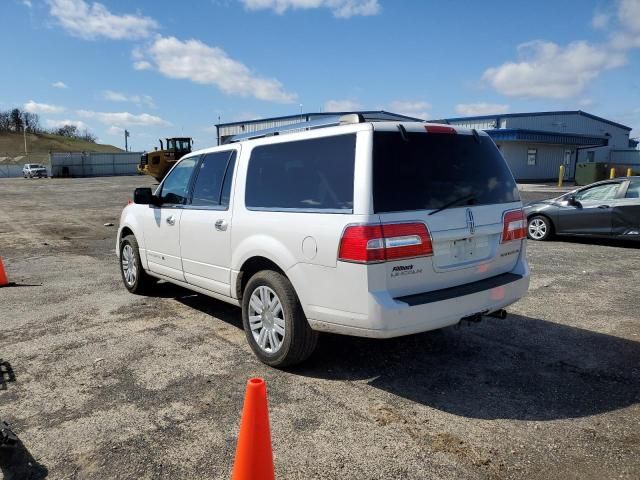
126 143
24 132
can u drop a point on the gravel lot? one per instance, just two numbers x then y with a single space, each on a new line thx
99 383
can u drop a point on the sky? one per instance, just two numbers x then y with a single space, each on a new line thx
166 68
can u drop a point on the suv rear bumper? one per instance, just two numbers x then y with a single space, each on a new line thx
394 317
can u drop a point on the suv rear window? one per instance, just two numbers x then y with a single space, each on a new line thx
315 174
429 170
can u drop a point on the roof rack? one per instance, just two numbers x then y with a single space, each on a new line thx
299 127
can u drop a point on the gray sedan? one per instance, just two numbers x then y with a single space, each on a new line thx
610 208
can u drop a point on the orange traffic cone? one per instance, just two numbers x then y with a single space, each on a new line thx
4 281
254 459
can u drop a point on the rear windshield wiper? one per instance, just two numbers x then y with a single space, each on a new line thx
467 199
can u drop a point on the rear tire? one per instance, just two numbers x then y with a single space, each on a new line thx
539 228
133 275
274 322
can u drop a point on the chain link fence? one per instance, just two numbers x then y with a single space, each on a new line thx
72 164
80 164
11 163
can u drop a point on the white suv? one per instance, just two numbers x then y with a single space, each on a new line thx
369 229
31 170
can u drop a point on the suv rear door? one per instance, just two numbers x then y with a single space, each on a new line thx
425 168
205 226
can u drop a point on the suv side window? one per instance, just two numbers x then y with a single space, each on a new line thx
600 192
315 174
175 188
634 190
212 186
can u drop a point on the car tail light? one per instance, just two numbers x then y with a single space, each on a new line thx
439 129
514 226
387 242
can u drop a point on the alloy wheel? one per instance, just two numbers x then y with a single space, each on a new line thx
537 229
129 266
266 319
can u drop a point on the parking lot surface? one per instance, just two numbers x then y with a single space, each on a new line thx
99 383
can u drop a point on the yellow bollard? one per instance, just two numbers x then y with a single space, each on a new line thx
629 172
561 176
612 173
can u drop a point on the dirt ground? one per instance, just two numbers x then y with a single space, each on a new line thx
99 383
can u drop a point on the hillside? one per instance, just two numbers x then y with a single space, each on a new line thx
12 145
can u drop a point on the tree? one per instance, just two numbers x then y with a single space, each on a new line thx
16 120
70 131
5 121
31 122
88 137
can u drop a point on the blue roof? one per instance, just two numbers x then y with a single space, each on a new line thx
538 114
538 136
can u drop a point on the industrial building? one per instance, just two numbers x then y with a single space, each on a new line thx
226 130
534 144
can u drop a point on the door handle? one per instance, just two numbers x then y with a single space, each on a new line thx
603 206
171 220
221 225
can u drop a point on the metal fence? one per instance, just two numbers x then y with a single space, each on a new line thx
11 164
625 157
79 164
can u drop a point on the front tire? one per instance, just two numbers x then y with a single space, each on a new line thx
539 228
133 275
274 322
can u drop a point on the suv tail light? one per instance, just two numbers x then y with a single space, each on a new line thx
386 242
514 226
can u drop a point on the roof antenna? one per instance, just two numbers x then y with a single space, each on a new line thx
476 135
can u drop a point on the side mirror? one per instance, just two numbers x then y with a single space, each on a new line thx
571 200
143 196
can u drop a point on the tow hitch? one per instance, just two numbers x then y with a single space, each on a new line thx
477 317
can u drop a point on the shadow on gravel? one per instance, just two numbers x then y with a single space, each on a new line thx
6 374
521 368
17 463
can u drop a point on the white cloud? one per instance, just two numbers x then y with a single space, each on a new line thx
339 8
59 85
342 106
475 109
113 130
600 20
629 15
200 63
34 107
628 33
547 70
61 123
90 21
142 65
124 119
121 97
417 109
27 3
